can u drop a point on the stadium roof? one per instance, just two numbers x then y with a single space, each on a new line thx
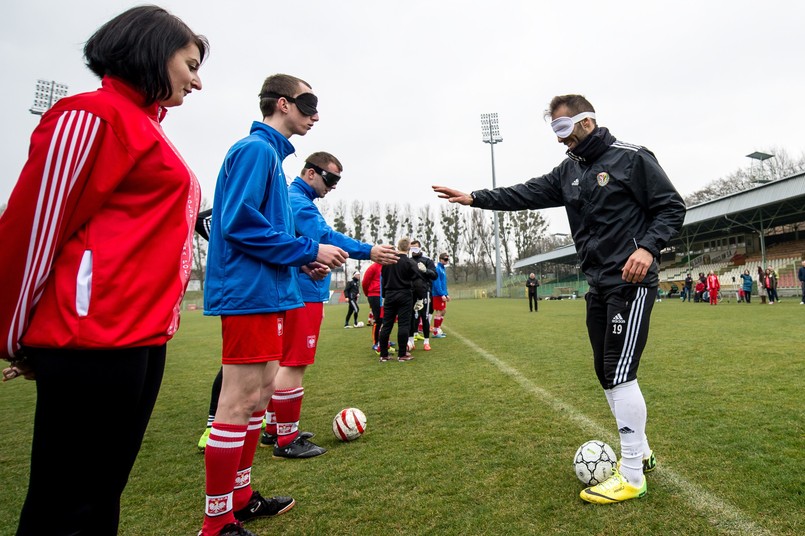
780 202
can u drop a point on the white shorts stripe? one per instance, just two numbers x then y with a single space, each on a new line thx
632 335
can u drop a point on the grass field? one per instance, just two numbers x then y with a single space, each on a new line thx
477 436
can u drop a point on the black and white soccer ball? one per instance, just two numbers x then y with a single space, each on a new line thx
594 462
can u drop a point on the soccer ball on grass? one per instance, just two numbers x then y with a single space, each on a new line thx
359 325
349 424
594 462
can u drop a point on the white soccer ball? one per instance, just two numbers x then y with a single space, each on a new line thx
594 462
359 325
349 424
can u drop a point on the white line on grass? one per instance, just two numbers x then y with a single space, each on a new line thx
723 516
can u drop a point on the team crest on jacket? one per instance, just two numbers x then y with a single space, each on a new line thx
602 178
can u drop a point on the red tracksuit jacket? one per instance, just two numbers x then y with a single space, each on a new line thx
96 241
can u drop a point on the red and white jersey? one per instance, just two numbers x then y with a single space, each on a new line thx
96 240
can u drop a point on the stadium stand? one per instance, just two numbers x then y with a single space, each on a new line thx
758 226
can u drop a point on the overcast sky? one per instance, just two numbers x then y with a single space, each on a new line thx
401 85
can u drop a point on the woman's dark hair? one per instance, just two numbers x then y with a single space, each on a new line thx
136 47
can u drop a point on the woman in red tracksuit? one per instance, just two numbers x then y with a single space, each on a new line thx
713 286
100 224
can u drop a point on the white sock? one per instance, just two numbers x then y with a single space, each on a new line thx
646 448
629 408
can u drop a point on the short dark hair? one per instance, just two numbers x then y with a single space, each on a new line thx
282 84
575 104
136 47
322 159
444 257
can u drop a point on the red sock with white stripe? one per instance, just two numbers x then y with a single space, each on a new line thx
437 323
288 408
243 481
271 419
221 457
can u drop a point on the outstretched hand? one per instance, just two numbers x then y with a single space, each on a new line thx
331 256
453 195
384 254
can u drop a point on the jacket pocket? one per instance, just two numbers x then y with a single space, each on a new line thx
83 292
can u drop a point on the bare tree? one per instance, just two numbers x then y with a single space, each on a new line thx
392 222
528 226
374 223
476 242
426 231
340 218
452 228
407 224
782 165
506 229
358 220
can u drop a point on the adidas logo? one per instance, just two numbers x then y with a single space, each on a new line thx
626 430
575 182
618 319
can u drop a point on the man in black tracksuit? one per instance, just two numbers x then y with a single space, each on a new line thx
622 210
398 300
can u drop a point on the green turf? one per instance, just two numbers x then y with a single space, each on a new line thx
478 435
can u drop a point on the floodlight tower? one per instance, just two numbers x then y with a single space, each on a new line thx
760 157
490 132
46 95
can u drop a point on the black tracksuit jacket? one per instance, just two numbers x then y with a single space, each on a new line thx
616 202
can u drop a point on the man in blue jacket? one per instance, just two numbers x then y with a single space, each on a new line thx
318 177
623 210
253 263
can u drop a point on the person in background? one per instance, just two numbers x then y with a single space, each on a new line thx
713 287
623 210
103 203
771 285
422 298
801 277
761 284
371 289
253 264
531 285
320 175
746 286
688 288
351 293
440 296
397 288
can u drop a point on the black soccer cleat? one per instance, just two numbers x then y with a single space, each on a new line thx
233 529
299 448
259 506
270 440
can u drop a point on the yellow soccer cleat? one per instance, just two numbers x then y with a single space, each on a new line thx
612 490
202 442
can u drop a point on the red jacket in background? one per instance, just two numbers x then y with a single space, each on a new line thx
97 236
371 280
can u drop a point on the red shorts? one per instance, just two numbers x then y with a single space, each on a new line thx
302 327
251 339
439 303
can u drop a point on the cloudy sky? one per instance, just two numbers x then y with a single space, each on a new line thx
401 85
